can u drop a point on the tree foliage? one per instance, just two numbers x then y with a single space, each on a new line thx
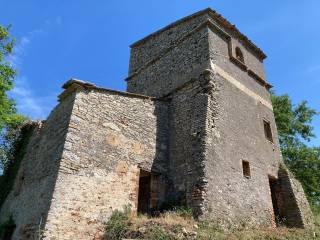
294 123
9 118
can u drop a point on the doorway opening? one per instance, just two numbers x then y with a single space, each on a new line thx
274 188
144 196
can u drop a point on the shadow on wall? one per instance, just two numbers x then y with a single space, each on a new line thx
285 203
154 183
31 197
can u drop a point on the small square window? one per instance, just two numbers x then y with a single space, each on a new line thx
267 130
246 169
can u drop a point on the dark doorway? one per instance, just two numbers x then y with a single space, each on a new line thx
144 196
274 188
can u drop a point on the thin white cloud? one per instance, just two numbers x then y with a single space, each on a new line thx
313 69
56 21
28 103
18 52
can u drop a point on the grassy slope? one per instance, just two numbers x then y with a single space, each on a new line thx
180 225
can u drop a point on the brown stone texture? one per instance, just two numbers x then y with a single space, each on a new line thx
99 170
200 117
29 205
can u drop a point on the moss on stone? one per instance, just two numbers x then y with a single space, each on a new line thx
19 149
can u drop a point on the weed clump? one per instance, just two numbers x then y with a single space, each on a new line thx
118 225
158 233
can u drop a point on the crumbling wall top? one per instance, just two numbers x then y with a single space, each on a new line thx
217 17
74 83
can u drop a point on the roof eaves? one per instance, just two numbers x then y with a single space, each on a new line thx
218 17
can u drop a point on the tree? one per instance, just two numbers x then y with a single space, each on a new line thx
9 118
10 137
295 129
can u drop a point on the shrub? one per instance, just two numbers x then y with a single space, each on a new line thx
118 224
184 212
158 233
17 152
210 230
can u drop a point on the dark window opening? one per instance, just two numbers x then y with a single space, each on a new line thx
267 130
19 184
274 188
246 169
239 55
144 196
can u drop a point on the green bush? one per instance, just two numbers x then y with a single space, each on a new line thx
118 224
158 233
184 212
210 230
18 149
317 220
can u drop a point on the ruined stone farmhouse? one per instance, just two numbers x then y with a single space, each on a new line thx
195 128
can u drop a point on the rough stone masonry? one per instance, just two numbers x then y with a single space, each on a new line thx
195 128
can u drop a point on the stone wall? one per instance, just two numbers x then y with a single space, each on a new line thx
111 137
212 131
87 158
220 56
30 199
144 52
293 205
236 134
188 116
179 64
168 58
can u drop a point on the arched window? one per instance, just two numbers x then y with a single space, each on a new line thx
239 55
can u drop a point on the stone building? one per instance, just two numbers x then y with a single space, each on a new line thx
195 128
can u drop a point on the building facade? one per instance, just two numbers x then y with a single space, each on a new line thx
195 128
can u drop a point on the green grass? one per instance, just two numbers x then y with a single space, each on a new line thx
316 212
159 233
118 224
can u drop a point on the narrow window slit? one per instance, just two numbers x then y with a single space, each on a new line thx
267 130
246 169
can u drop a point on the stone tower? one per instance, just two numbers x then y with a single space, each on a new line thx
195 128
223 137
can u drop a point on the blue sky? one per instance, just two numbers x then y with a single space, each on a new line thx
89 40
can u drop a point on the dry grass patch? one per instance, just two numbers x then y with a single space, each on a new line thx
179 225
170 218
